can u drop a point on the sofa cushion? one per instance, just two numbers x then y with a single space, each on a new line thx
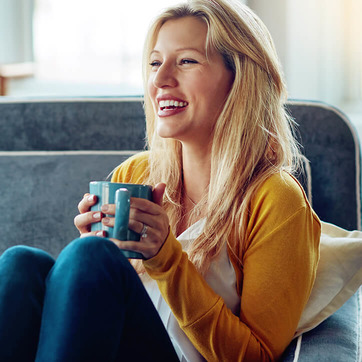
45 188
339 275
337 339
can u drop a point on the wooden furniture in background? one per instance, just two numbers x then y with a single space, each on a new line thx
14 70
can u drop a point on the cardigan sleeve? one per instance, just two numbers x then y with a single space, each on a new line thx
279 265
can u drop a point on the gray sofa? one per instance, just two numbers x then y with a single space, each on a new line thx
50 150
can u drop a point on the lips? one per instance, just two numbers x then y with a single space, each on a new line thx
170 105
170 111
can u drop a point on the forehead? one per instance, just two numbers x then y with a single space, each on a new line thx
183 32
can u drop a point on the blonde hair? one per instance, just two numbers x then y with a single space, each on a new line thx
253 136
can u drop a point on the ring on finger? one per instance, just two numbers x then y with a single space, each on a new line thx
144 231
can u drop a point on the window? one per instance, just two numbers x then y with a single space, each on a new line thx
90 47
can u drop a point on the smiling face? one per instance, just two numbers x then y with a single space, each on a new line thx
187 87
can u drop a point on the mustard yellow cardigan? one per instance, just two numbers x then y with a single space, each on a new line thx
274 282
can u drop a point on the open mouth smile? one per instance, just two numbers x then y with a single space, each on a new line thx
172 104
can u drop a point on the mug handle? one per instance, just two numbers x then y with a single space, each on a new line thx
122 201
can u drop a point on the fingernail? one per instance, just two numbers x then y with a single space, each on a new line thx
91 198
97 215
104 208
101 233
105 220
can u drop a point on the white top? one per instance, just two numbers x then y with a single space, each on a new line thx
220 277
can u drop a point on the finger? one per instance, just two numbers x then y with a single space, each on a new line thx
109 209
147 212
144 205
87 202
137 226
158 221
83 221
150 234
100 233
139 219
108 221
157 193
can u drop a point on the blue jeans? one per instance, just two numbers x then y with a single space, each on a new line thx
88 305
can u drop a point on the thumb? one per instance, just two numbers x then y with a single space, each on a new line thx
157 193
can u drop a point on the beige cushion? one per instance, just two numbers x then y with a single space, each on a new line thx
339 275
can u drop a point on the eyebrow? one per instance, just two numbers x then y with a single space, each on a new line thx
180 50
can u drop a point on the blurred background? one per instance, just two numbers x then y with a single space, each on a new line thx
93 48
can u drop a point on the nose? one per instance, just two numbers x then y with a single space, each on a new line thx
165 77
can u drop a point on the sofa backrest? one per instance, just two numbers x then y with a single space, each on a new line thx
72 124
331 144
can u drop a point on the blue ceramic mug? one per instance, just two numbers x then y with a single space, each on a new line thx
119 194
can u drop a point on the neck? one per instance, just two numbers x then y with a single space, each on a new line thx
196 165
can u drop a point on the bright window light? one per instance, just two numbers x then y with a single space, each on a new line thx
92 41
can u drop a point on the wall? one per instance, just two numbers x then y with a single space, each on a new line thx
16 31
316 41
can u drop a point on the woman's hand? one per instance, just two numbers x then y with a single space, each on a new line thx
144 213
86 218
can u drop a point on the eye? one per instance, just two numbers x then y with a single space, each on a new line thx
188 61
155 63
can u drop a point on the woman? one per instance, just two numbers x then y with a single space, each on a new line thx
220 141
221 154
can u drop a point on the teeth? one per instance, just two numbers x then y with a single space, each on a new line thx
172 103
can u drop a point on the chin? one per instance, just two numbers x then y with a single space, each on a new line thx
168 136
166 133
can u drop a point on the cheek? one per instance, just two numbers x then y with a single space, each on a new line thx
213 87
213 97
218 94
150 86
152 92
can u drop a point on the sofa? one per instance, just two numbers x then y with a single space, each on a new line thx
51 148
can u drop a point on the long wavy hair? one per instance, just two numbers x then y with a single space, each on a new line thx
253 135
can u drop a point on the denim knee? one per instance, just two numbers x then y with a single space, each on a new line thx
92 249
24 262
88 263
